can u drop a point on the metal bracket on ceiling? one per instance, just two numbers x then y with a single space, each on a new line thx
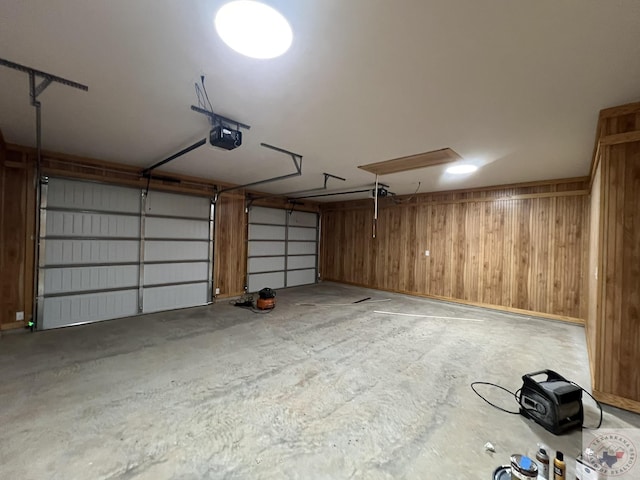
297 162
340 192
147 171
327 176
293 206
217 119
36 90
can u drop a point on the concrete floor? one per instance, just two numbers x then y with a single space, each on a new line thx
326 392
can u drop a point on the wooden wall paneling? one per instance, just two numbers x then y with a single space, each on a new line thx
460 249
439 250
407 250
5 300
370 246
493 245
569 226
507 253
422 261
619 322
523 255
629 376
473 250
495 248
17 246
611 273
230 259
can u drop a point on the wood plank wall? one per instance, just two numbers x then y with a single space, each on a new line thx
18 209
17 221
613 326
519 248
230 245
620 322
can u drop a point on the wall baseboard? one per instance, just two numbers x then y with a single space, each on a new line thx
617 401
519 311
13 325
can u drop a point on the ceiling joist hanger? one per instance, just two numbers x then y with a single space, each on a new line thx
34 92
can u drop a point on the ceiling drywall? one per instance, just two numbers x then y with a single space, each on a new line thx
514 86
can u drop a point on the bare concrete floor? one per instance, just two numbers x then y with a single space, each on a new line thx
331 392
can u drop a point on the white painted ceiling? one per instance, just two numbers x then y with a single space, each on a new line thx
514 85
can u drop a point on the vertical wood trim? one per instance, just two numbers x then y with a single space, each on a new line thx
3 301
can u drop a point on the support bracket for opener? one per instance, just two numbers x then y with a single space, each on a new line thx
327 176
297 162
216 118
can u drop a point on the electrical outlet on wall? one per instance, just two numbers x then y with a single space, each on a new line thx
427 253
19 316
217 291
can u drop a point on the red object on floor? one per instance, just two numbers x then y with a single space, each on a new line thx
266 303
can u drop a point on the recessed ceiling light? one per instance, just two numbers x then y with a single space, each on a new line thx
253 29
461 169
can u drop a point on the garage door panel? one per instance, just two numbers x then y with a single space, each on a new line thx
308 261
156 274
299 233
173 297
171 204
301 277
70 252
266 248
303 219
266 264
91 224
266 232
259 281
81 195
159 251
77 279
267 215
158 227
74 309
302 248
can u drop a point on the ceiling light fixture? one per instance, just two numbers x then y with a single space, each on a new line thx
461 169
253 29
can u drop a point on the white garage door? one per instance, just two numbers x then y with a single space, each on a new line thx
176 251
92 239
283 248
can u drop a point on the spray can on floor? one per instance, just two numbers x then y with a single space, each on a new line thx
559 467
542 460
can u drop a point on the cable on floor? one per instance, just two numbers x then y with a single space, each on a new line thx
352 304
513 394
517 399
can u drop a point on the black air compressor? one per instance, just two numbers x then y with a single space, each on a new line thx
554 403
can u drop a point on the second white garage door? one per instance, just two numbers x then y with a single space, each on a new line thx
283 248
